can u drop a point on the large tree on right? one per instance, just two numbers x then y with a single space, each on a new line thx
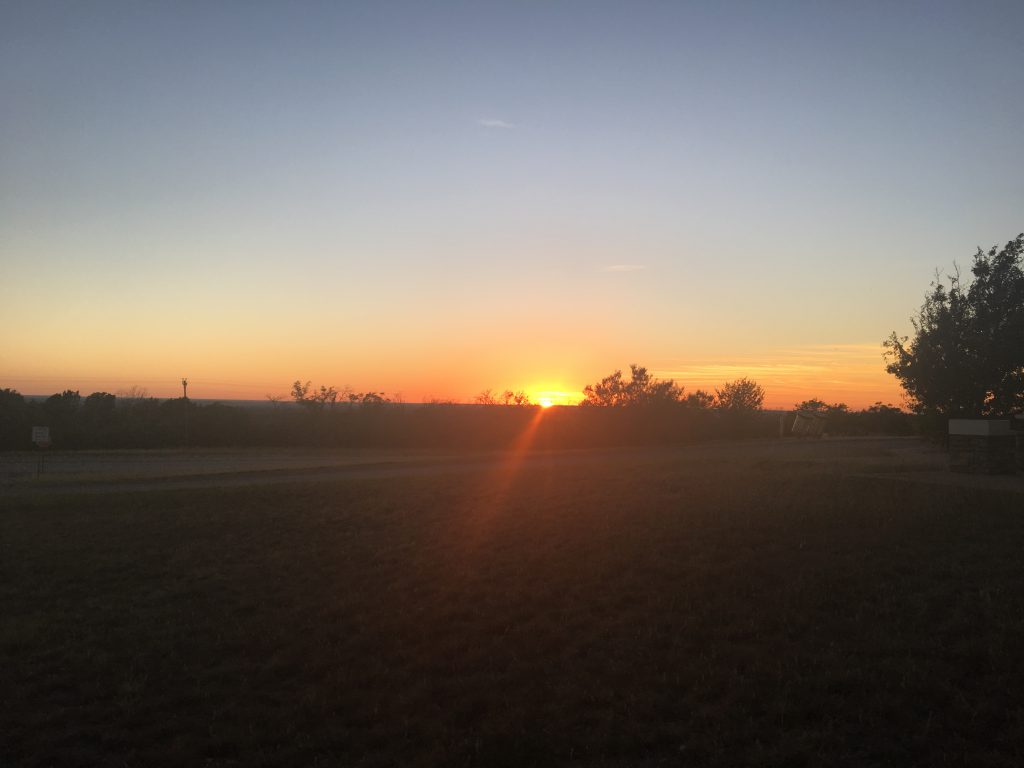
966 357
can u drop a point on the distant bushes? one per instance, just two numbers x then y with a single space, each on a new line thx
102 420
877 419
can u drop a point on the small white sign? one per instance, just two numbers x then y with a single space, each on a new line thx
41 436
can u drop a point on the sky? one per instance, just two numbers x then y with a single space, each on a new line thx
432 199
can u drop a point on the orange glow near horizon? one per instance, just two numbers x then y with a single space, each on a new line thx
849 373
549 397
839 373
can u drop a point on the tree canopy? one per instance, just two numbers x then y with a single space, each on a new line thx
314 400
641 388
816 405
966 357
508 397
740 396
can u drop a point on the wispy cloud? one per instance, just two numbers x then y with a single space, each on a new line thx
850 362
623 267
852 373
490 122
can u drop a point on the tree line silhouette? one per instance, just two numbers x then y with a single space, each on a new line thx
642 389
617 410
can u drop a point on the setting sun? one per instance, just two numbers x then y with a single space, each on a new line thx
547 395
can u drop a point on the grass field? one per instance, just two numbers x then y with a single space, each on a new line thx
636 610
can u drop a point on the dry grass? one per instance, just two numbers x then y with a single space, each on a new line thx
645 613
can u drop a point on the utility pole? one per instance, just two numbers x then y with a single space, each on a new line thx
184 396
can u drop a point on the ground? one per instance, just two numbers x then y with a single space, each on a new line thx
837 602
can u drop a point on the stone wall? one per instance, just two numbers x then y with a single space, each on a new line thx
984 454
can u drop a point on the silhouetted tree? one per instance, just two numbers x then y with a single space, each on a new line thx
508 397
368 398
14 421
326 396
886 419
300 391
304 395
967 353
700 400
316 400
99 420
486 398
640 389
814 405
61 415
99 403
740 396
98 410
173 419
65 403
